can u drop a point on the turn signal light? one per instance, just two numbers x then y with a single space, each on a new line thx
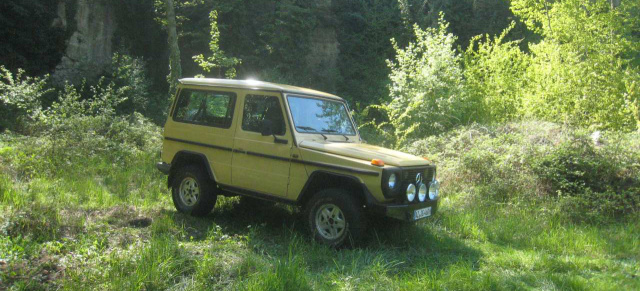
377 162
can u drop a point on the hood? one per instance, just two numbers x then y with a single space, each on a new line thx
366 152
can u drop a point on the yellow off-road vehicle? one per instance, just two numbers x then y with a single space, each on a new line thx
292 145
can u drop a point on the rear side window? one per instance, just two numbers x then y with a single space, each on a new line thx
208 108
258 108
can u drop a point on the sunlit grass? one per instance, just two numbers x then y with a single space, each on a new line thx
111 226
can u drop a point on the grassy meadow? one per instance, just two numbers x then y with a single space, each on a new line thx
105 221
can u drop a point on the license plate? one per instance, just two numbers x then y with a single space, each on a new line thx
421 213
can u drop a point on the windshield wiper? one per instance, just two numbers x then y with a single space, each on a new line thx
308 128
334 131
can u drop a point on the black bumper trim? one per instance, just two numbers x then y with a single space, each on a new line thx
163 167
403 211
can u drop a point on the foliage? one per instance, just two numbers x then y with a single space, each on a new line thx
428 90
77 125
575 175
467 18
77 228
515 196
363 31
273 39
495 72
86 127
129 75
218 59
594 182
583 71
20 98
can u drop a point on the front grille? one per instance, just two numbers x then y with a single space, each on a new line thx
409 177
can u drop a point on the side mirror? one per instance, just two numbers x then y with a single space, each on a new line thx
267 127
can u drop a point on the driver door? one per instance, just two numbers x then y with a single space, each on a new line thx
261 164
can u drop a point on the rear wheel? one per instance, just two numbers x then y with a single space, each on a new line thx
193 192
335 218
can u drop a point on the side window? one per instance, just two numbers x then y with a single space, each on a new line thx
258 108
205 108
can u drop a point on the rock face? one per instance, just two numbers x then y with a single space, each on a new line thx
90 47
323 56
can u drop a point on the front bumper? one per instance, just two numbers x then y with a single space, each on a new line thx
404 211
163 167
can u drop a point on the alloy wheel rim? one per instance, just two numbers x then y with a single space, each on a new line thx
189 191
330 221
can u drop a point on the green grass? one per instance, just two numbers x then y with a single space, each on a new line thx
85 226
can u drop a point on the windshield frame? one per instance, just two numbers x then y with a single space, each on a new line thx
340 101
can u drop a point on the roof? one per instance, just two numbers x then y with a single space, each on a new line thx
256 85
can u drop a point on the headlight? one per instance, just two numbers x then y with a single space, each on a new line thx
434 188
411 192
392 181
422 192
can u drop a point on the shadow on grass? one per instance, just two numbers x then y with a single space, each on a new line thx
278 230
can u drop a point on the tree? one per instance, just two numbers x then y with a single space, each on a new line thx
495 72
218 60
584 71
175 69
427 86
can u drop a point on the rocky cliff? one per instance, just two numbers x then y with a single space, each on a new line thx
90 47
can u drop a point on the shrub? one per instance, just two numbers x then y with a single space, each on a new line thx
20 98
75 129
495 72
570 173
584 72
589 181
129 76
427 86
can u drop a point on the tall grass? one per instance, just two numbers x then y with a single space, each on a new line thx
104 221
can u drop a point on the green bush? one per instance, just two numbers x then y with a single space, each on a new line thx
20 98
80 121
589 182
495 72
128 74
584 71
75 128
565 170
427 88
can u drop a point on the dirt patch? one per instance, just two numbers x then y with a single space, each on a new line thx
140 222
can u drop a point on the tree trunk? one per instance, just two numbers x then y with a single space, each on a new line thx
175 69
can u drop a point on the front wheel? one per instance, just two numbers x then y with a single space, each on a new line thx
192 192
335 218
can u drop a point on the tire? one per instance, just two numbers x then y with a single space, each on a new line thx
335 218
193 192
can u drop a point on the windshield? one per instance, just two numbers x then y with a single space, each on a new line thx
320 116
